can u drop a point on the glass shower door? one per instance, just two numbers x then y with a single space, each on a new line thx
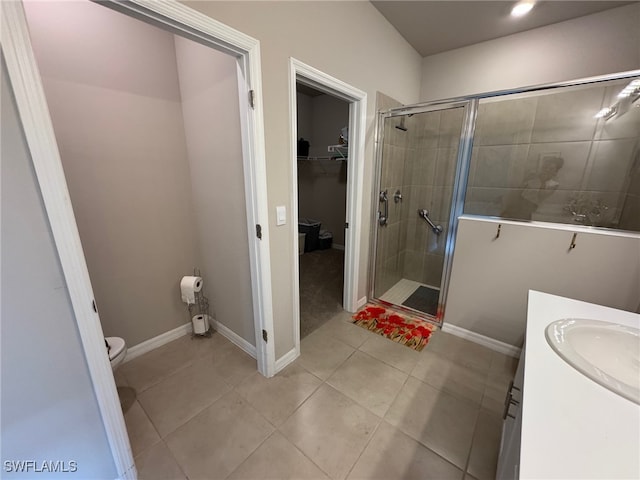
417 171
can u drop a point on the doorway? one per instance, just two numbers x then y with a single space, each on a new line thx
418 174
322 156
353 163
39 133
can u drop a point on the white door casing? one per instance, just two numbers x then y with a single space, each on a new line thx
357 99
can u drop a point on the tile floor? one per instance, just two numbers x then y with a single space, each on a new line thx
354 405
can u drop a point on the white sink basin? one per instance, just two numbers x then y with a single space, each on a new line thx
607 353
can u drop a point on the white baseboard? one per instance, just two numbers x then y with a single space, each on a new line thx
488 342
156 342
361 303
186 329
233 337
337 247
286 359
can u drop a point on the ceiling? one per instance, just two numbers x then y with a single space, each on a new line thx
437 26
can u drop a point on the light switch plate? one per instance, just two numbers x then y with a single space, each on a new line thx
281 215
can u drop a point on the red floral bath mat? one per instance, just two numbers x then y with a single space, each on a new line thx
412 332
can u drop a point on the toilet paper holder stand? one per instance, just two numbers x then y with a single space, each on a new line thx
200 307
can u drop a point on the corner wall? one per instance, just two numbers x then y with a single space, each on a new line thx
209 91
112 89
351 41
598 44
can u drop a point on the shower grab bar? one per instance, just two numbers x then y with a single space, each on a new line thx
424 214
383 217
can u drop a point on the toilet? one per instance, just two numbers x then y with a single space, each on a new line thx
117 352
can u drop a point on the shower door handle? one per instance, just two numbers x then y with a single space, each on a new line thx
383 217
424 214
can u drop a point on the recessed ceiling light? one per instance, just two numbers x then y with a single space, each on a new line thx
522 8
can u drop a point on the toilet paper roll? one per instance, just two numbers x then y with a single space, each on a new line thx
189 286
200 324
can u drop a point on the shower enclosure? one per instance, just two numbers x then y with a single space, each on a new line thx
564 153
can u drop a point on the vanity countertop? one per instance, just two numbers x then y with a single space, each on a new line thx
571 426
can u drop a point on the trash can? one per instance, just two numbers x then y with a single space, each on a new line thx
311 229
325 239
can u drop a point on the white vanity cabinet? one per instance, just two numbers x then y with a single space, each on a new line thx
560 423
509 460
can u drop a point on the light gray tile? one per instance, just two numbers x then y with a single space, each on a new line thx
490 201
574 154
342 327
232 364
322 354
493 398
445 374
461 351
505 121
392 454
450 127
127 397
567 115
424 169
216 441
120 379
180 397
502 364
277 397
446 167
483 460
150 368
141 431
158 463
331 429
427 125
368 381
440 421
499 165
390 352
278 459
611 162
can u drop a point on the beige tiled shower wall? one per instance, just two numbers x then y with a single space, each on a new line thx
420 162
391 236
513 137
428 182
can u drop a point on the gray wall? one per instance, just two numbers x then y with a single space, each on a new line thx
491 277
49 409
209 92
605 42
115 104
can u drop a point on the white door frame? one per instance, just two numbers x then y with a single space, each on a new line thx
34 115
357 99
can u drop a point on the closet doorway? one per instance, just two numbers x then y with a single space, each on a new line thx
322 156
344 159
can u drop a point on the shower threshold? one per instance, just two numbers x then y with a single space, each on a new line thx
414 295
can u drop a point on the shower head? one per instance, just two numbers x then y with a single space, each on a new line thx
401 126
